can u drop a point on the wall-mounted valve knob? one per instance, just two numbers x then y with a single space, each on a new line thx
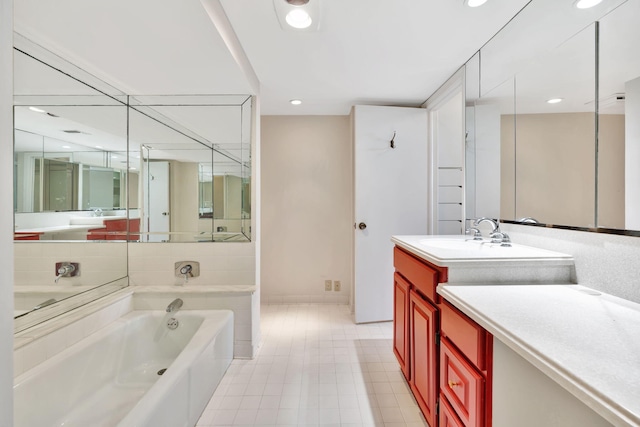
187 269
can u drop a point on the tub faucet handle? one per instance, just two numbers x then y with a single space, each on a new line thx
187 269
67 269
477 235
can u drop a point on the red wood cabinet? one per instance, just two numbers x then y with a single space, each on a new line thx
445 356
462 385
466 366
448 417
116 229
424 382
401 323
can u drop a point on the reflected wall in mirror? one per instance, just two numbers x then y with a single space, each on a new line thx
548 160
619 129
555 134
194 158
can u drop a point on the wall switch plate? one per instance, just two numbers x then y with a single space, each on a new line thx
327 285
337 286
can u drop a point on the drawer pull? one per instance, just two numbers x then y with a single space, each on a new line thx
453 384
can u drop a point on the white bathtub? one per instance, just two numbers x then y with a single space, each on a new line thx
111 377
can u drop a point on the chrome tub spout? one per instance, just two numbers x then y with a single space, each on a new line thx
175 305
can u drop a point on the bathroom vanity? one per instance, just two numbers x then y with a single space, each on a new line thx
491 336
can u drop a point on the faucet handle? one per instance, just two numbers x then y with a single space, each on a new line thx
477 235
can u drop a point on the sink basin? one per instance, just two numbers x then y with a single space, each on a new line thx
462 248
456 244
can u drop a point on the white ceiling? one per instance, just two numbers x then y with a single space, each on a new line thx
393 52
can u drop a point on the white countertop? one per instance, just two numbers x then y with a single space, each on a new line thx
587 342
60 229
459 250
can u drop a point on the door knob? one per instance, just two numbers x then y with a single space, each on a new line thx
362 226
165 213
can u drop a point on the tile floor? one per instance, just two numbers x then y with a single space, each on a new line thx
315 367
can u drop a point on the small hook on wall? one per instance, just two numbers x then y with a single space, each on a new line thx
392 143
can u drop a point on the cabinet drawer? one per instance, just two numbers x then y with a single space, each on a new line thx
462 385
464 333
423 277
448 417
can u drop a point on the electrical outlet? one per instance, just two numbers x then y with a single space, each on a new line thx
327 285
337 286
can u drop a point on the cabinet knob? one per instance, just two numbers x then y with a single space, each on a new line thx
362 226
453 384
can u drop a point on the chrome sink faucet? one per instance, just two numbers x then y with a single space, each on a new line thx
497 236
174 305
494 223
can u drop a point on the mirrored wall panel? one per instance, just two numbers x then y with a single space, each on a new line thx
96 170
192 154
70 177
619 127
561 139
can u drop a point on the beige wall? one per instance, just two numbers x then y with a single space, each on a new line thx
555 168
307 193
184 199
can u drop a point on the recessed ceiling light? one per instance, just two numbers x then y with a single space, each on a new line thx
66 146
554 100
474 3
586 4
37 110
295 102
99 146
114 157
298 18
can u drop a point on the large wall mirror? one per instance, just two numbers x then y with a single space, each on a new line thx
96 169
561 162
193 158
70 137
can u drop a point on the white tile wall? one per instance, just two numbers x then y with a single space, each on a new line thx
220 263
99 262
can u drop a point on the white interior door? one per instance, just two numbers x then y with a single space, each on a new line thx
157 210
391 193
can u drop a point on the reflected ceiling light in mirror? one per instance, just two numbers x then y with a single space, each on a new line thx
37 110
586 4
554 100
295 102
474 3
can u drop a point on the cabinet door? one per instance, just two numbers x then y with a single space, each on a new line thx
462 385
448 417
424 379
401 323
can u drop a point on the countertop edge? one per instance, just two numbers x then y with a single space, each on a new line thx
600 403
